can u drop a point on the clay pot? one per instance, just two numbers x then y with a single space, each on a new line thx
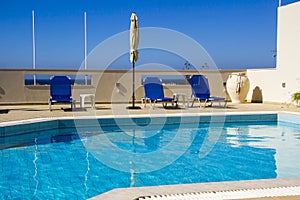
237 86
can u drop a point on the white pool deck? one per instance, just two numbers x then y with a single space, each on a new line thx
16 114
32 112
253 189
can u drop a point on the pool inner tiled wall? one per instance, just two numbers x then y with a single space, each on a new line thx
142 121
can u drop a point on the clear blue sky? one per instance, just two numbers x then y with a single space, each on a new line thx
236 33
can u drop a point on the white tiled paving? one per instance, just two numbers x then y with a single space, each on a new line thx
214 191
232 194
23 112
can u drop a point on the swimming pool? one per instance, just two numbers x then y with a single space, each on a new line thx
53 163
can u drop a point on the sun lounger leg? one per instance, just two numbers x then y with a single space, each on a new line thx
193 103
176 103
49 102
143 101
164 104
225 104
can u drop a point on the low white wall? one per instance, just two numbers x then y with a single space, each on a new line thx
110 86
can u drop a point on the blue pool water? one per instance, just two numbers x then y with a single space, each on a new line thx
54 163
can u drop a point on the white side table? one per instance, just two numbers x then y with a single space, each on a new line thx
82 100
183 97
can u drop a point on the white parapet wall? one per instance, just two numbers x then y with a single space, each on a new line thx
109 86
278 85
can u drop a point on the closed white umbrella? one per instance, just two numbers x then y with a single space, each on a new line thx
134 37
134 54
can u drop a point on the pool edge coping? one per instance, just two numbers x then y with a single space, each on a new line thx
39 124
210 187
45 119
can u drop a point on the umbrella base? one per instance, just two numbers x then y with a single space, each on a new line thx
134 107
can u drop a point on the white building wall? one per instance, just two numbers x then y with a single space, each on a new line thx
277 85
269 83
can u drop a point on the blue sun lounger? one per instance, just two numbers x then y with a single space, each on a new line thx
60 91
201 91
154 92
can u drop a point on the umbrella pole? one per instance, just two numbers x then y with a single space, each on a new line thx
133 86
